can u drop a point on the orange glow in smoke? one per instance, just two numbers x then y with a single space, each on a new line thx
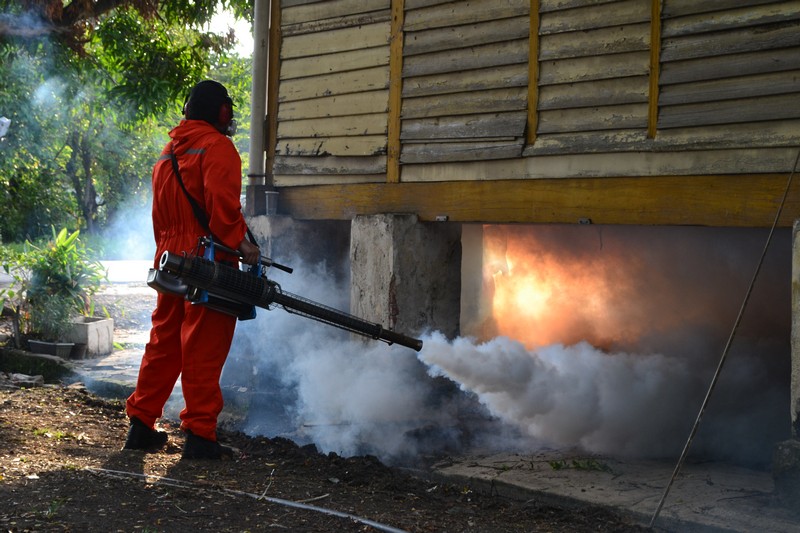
541 297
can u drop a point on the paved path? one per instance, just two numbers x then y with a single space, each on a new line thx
705 497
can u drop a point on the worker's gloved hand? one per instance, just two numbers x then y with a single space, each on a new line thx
250 253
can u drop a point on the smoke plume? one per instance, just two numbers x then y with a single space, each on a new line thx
629 395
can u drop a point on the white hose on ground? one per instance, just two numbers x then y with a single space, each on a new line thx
278 501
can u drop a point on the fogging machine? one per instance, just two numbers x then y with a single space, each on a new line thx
226 288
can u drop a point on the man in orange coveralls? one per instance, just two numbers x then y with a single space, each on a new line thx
191 340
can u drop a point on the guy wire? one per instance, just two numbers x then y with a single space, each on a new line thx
726 350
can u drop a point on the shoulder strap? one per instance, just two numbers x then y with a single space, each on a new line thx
198 211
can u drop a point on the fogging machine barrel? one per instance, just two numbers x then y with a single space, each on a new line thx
234 284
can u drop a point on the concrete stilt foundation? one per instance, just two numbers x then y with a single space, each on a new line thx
786 459
405 274
795 341
286 240
401 271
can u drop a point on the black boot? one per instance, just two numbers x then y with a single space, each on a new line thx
141 437
200 448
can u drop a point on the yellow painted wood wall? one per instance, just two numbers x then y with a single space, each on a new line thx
415 91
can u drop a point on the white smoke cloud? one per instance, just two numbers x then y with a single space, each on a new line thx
347 395
130 234
313 383
574 395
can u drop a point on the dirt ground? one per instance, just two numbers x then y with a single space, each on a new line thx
62 469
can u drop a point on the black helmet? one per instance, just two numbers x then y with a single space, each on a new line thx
205 100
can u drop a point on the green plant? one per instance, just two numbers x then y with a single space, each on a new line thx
52 509
51 284
13 297
63 268
580 464
50 317
51 434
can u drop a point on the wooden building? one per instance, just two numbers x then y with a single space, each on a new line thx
641 112
535 111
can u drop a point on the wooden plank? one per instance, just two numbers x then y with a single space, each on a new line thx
335 40
273 87
590 68
629 38
655 67
594 93
466 126
463 151
336 106
362 145
731 42
470 80
749 200
548 6
728 136
370 79
372 124
678 8
731 111
495 100
732 19
595 16
589 142
534 71
351 21
417 4
395 92
475 34
330 63
767 134
330 9
464 12
292 3
611 117
506 138
731 88
473 57
609 165
330 165
299 180
727 66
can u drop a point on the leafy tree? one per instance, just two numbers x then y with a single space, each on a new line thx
147 51
92 88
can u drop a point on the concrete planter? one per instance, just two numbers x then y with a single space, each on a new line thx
96 333
59 349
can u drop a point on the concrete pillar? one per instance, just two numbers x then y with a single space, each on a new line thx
786 459
285 239
479 264
406 275
795 383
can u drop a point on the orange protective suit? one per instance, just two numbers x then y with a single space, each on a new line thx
190 340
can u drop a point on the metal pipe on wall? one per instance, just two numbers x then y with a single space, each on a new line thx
255 201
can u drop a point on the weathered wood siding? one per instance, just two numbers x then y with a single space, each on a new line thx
333 93
730 62
727 76
490 90
594 63
465 79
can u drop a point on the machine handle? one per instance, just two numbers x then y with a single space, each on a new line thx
265 261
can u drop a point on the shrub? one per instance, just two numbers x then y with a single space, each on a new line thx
51 284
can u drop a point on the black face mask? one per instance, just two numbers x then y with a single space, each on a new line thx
230 131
